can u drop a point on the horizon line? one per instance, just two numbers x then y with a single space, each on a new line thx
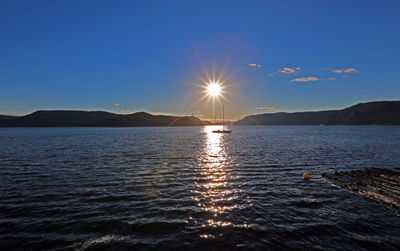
16 114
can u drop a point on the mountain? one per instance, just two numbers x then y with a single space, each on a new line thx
146 119
96 118
7 117
371 113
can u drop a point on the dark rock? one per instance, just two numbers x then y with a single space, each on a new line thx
375 184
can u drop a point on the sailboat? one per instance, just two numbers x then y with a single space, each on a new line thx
223 124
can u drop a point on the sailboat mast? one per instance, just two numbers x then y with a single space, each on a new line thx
215 114
223 117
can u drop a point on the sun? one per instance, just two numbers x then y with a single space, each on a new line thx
214 89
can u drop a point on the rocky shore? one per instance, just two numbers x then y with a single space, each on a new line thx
376 184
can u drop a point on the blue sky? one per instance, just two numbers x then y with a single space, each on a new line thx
92 55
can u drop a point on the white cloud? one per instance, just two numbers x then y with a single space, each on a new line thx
288 70
305 79
267 108
124 111
350 70
116 104
345 71
332 78
162 113
13 113
175 114
255 65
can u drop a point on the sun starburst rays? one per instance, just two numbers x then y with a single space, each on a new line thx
213 87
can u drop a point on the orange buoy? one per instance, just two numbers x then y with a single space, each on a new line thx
306 176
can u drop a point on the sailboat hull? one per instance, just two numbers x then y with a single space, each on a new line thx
221 131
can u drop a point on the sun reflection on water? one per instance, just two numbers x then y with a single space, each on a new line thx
215 193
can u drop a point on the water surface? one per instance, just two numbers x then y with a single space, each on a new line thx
185 187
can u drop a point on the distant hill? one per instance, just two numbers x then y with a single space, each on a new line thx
96 118
7 117
146 119
371 113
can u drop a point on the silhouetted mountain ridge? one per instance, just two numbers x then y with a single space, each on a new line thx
96 118
371 113
7 117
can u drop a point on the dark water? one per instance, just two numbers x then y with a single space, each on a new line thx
179 188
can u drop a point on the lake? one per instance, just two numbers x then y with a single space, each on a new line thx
185 187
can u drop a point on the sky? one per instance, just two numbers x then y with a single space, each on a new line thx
153 56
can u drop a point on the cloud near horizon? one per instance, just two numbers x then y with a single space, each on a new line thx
255 65
287 70
116 104
305 79
345 71
124 111
266 108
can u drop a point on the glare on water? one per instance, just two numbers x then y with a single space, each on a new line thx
215 193
189 188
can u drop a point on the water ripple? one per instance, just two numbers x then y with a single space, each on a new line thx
187 188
